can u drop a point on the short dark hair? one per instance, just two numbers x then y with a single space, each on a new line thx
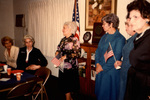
142 5
111 18
6 38
127 16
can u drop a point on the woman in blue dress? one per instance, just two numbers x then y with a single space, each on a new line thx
108 78
125 64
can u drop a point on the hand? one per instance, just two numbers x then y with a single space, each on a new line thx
98 68
33 67
73 54
117 63
63 58
56 53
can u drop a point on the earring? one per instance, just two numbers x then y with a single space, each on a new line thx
147 22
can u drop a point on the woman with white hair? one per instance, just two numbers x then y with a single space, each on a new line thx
30 58
69 50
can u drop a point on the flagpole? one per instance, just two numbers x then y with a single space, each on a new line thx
75 9
113 51
118 67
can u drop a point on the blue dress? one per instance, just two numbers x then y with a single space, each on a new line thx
125 66
107 81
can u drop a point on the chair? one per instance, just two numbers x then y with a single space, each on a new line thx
43 73
22 90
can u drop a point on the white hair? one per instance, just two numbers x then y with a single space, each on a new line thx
28 37
72 26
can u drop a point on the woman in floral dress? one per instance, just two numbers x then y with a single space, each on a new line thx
69 50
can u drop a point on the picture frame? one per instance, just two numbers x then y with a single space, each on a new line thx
96 9
20 20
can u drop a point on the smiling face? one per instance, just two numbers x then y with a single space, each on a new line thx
137 22
28 43
8 44
66 31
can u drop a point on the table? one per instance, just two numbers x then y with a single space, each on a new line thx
8 85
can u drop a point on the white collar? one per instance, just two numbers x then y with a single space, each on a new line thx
142 33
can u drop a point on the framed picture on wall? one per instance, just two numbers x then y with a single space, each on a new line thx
96 9
20 20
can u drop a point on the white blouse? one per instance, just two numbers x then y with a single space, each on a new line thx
11 60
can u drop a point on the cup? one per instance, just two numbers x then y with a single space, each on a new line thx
18 76
5 68
9 71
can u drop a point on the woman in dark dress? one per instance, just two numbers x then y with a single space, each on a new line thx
138 82
30 58
69 49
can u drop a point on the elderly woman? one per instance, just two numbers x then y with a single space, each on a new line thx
69 49
30 58
107 78
11 52
125 64
138 82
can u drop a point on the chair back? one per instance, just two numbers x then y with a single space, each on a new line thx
43 73
22 89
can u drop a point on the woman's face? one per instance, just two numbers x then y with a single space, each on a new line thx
129 28
136 21
66 30
106 26
28 43
8 44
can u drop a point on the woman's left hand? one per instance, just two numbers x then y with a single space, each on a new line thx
63 58
33 67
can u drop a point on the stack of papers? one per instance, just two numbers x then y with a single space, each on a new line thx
4 79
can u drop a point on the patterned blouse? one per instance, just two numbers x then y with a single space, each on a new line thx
71 48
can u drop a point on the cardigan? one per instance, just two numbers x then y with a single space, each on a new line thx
35 57
11 60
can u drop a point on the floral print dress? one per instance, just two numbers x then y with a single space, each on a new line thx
69 78
71 48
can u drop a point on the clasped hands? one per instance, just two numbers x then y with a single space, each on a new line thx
33 67
117 63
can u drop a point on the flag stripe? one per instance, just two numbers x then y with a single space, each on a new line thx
109 53
55 61
75 18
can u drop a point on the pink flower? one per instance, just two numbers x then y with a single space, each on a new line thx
69 46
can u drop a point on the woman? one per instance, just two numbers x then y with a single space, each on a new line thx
138 82
69 49
30 58
11 52
107 78
125 64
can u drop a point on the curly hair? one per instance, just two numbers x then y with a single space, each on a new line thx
28 37
6 38
141 5
111 18
72 26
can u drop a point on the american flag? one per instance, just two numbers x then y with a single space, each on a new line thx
109 53
56 60
75 18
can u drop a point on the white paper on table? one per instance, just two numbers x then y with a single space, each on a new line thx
3 72
4 79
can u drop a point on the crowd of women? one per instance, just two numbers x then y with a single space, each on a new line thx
130 82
